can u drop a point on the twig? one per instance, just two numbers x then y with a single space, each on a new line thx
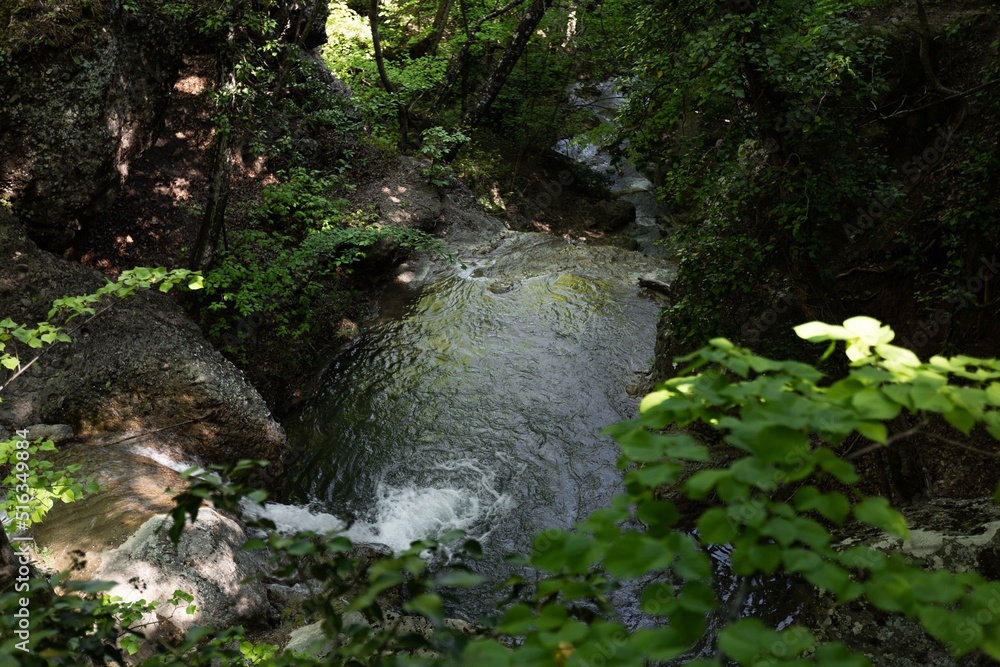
860 269
158 430
964 93
888 443
962 445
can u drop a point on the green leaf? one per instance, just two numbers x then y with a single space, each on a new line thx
877 512
778 443
654 399
702 482
697 597
842 470
635 554
747 640
660 644
816 332
254 544
459 578
961 420
875 431
751 557
655 475
428 605
658 599
517 620
874 405
486 652
715 527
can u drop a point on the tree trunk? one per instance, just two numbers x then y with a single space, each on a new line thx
488 92
440 22
926 39
297 44
218 197
457 67
401 113
220 167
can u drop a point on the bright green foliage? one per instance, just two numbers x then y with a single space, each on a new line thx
437 144
304 238
34 484
780 484
68 308
300 202
349 54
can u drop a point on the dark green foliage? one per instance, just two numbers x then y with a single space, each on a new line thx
774 505
751 116
303 240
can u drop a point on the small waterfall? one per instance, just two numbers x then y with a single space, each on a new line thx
625 181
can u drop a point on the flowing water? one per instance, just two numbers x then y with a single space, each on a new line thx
479 405
624 180
477 400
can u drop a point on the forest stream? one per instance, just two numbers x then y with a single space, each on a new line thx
476 401
478 405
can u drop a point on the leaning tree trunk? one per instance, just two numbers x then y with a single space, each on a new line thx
429 43
926 39
488 92
218 198
214 219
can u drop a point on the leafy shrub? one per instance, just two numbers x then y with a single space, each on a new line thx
773 495
303 237
34 483
437 144
750 113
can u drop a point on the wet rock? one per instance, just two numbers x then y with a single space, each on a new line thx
207 562
310 640
403 198
406 199
288 598
465 225
313 641
609 215
133 490
500 286
57 433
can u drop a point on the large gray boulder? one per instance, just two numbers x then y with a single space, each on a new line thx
83 92
207 563
140 367
133 489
